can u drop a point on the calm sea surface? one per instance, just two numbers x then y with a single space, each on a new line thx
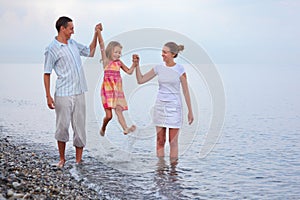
256 157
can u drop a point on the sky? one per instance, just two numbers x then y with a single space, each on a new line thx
230 31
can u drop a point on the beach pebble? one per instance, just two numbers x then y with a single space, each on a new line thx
29 174
16 185
10 193
2 197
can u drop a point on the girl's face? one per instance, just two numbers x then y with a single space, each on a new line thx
117 52
166 54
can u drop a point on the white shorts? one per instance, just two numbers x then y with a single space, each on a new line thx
167 114
70 109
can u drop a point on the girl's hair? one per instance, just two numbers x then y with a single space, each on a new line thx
174 48
110 47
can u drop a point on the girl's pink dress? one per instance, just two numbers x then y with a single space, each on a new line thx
112 94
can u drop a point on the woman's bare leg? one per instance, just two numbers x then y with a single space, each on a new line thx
173 140
160 141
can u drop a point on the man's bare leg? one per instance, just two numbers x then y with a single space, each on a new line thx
61 150
79 151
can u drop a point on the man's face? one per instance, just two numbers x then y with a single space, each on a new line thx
69 30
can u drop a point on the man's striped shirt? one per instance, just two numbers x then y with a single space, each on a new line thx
65 60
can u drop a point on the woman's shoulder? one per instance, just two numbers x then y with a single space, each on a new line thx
159 66
179 65
179 68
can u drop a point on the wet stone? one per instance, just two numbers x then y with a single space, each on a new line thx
28 172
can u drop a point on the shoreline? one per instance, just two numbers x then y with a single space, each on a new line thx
28 171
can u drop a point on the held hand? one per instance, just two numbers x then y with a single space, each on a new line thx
50 102
135 59
190 118
98 27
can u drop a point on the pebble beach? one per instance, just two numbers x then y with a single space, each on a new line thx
29 172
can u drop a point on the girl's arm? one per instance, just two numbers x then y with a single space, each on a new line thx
126 69
102 46
144 78
187 97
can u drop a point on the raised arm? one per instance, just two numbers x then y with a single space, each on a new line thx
187 97
94 42
101 44
126 69
144 78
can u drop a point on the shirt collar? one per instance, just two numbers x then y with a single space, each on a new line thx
60 43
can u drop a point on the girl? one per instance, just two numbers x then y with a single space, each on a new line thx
168 106
112 94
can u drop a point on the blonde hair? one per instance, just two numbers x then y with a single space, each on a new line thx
174 48
110 47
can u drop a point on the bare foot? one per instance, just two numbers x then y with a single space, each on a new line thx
61 163
102 133
79 163
128 130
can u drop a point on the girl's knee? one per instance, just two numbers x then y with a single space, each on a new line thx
108 114
119 110
108 117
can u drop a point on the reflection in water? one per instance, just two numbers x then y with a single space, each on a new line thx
164 182
256 158
167 180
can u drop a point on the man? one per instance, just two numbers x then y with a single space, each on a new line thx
63 56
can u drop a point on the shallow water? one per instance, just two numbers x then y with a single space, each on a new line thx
257 156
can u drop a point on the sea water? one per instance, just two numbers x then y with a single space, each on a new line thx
256 157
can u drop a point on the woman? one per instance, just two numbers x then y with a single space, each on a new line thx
168 106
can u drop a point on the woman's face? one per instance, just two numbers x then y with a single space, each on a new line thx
116 54
166 54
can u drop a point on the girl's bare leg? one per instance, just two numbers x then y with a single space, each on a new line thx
173 140
122 121
106 119
160 141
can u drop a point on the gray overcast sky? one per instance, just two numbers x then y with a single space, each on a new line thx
231 31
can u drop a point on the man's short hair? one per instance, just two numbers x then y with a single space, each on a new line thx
62 21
